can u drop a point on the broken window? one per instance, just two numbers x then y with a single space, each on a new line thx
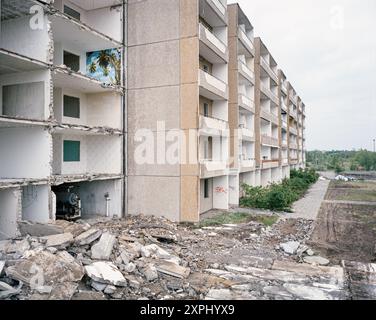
72 61
72 13
71 151
71 107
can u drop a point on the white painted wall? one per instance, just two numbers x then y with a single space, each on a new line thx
234 190
93 200
9 209
98 155
35 203
31 103
221 192
206 204
19 37
59 49
25 153
266 177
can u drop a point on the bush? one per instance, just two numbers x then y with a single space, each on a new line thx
281 196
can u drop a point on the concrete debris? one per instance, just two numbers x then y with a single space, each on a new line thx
107 273
290 247
156 259
88 237
38 229
58 241
173 269
316 260
103 249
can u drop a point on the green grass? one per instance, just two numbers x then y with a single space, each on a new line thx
237 218
358 195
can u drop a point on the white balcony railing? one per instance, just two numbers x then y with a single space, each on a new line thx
220 6
246 134
267 164
284 87
268 92
269 141
211 40
212 84
268 69
210 168
246 103
246 71
293 130
212 126
248 44
247 162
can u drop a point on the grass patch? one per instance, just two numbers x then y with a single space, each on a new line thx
358 195
237 218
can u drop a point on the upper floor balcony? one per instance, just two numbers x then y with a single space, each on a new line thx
293 130
270 164
269 141
246 72
269 93
268 69
267 115
284 106
210 168
210 126
219 7
293 145
246 103
212 87
246 163
284 87
246 134
209 41
246 42
294 99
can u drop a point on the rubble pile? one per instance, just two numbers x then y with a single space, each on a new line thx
153 258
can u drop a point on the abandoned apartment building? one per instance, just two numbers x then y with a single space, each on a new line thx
79 78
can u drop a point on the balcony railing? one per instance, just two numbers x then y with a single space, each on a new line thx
219 5
211 168
284 87
284 106
293 130
268 92
246 72
246 134
212 126
268 164
247 162
246 103
247 43
268 69
269 141
213 85
294 161
285 161
284 144
293 145
207 37
267 115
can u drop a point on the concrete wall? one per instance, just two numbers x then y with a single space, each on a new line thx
93 199
9 210
206 204
35 203
31 97
25 153
19 37
98 155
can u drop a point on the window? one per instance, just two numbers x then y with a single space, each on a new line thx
72 13
206 189
71 151
206 110
71 107
206 68
72 61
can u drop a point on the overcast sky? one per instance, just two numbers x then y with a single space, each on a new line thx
328 51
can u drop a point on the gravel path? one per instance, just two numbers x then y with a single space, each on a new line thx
309 206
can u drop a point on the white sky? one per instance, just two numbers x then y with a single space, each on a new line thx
327 49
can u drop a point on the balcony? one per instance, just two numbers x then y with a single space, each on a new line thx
294 99
246 72
219 8
211 168
269 70
270 164
268 116
284 124
247 163
269 141
285 162
284 106
211 87
293 131
268 92
284 144
294 161
212 126
246 103
246 42
293 145
213 43
284 87
246 134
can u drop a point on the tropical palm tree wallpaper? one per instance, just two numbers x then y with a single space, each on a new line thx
105 66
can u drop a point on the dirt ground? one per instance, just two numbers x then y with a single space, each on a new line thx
347 231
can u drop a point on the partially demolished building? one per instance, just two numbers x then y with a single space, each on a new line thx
75 73
61 110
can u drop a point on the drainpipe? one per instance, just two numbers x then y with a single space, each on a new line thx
108 199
